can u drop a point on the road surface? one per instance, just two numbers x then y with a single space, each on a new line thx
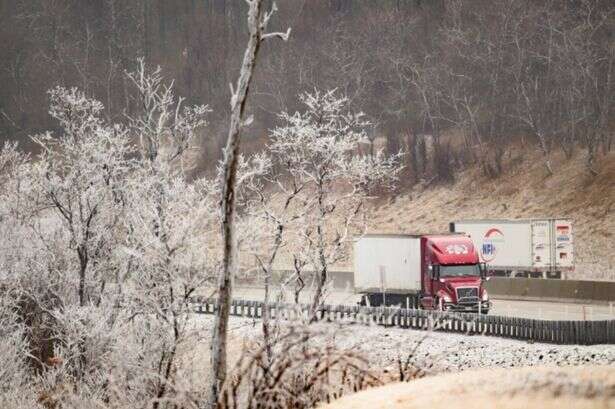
511 308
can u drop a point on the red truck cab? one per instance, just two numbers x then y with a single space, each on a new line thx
452 277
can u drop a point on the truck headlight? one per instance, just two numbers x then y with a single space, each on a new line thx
446 298
485 296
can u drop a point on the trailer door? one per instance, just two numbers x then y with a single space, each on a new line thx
542 235
563 244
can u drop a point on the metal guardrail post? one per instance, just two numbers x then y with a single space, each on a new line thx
559 332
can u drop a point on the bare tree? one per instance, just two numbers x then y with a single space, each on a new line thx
590 66
257 24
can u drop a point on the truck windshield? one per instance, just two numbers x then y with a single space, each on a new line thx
457 271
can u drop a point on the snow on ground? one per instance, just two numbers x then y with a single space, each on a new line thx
437 352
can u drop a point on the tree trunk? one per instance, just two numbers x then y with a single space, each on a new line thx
322 260
145 40
83 265
320 285
299 283
545 152
590 159
238 103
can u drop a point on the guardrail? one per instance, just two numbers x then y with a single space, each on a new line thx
551 290
557 332
518 288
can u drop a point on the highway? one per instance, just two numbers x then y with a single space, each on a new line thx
512 308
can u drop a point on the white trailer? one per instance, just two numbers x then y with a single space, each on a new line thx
388 263
528 247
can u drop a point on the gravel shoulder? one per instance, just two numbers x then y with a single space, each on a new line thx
435 352
444 352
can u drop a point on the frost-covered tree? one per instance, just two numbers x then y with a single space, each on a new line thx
172 227
77 180
319 150
104 246
14 209
267 213
62 217
166 214
16 388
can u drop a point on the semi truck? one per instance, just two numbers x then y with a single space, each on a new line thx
522 247
429 271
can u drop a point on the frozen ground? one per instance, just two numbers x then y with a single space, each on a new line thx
436 352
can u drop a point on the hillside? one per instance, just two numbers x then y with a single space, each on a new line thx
523 191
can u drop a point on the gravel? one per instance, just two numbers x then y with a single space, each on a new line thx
437 352
442 352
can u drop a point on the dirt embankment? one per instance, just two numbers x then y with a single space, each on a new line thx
535 387
523 191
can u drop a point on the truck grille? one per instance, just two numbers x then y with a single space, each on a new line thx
467 294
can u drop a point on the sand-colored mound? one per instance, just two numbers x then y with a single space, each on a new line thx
527 388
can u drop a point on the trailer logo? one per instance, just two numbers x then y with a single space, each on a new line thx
563 233
493 239
457 249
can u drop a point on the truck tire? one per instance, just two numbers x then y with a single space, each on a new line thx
372 299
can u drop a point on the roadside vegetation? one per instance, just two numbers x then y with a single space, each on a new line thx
112 216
